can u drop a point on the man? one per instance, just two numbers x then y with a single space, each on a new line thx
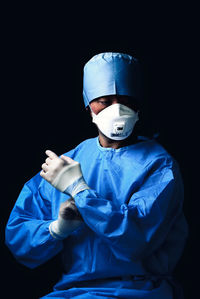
114 209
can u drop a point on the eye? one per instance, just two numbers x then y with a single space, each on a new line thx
104 102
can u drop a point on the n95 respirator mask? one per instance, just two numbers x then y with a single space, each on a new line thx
116 121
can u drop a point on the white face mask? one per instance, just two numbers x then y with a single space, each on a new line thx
116 121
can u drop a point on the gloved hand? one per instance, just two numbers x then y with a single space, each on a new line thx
69 219
63 173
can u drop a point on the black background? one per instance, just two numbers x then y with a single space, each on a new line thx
44 49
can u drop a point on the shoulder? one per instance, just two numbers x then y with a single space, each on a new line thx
157 166
159 161
87 142
150 152
84 145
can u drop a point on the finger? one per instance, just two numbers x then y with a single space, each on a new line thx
42 173
48 161
67 159
45 167
51 154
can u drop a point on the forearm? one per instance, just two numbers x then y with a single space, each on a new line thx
131 231
30 241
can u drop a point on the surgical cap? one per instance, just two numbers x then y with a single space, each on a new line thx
111 74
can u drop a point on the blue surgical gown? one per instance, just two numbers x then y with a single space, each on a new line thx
134 230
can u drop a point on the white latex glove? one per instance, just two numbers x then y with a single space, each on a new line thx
63 173
69 220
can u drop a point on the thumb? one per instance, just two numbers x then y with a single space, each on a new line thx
68 160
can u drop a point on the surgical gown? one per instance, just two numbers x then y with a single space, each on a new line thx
134 230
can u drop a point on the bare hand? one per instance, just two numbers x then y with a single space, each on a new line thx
69 211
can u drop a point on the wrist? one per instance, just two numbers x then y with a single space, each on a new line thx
76 187
62 228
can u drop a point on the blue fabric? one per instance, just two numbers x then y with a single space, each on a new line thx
110 74
134 231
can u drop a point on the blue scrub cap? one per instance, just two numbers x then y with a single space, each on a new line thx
109 74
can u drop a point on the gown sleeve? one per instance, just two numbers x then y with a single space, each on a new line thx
137 228
27 231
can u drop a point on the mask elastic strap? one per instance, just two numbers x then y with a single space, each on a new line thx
91 108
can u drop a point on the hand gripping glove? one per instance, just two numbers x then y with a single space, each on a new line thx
64 174
69 220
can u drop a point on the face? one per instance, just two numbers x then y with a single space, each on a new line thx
101 103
